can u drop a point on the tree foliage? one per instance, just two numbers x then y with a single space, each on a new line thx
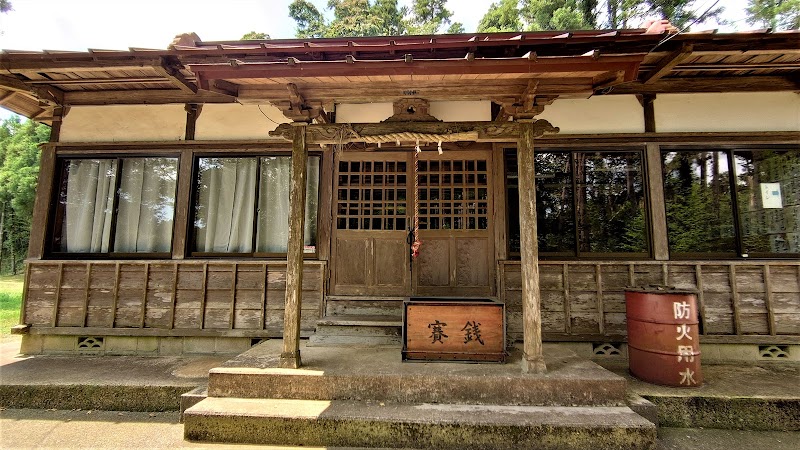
775 14
372 18
502 16
254 35
19 169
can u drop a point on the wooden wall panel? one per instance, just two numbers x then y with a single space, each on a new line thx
584 300
182 297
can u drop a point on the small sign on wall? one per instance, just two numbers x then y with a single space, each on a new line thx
771 195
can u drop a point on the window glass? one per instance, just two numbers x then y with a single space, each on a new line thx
768 196
555 212
597 207
698 202
145 205
242 205
609 203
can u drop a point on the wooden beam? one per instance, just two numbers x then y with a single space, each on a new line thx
173 73
646 100
149 97
82 65
711 84
290 357
366 92
116 80
667 63
628 63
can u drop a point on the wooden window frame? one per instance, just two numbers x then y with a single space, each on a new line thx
254 255
58 185
730 152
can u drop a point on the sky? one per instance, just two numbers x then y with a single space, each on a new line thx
119 24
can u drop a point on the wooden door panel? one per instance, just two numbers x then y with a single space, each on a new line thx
391 262
472 262
352 255
433 263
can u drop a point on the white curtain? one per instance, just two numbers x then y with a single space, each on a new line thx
89 205
224 217
273 218
146 205
273 208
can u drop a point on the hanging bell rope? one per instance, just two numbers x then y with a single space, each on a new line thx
417 243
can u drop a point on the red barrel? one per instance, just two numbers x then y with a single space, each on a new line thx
663 338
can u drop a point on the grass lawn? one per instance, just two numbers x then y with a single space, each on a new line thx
10 299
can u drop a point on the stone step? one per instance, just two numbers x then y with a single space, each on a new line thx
355 341
362 321
338 305
364 331
349 373
422 426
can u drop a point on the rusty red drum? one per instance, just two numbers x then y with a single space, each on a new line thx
663 336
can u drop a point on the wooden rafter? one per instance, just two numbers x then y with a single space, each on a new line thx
667 63
173 73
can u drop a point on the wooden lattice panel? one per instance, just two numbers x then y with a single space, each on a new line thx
372 195
454 195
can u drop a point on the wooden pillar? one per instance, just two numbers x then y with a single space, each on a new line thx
657 201
290 357
37 242
533 359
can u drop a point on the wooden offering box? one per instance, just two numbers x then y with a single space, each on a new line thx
454 329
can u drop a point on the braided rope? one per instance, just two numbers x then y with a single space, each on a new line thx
420 137
415 246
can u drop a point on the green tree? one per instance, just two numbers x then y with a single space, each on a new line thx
254 35
390 18
366 18
428 16
682 12
775 14
502 16
552 15
310 22
19 169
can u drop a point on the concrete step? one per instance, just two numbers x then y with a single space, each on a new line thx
422 426
349 373
339 305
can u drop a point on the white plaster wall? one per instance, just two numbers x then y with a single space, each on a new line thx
363 112
462 111
599 114
124 123
739 111
235 121
446 111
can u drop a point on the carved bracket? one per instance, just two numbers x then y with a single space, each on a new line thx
298 109
412 110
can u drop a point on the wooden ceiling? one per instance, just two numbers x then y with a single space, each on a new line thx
512 69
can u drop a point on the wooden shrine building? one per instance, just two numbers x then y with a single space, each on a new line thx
554 170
